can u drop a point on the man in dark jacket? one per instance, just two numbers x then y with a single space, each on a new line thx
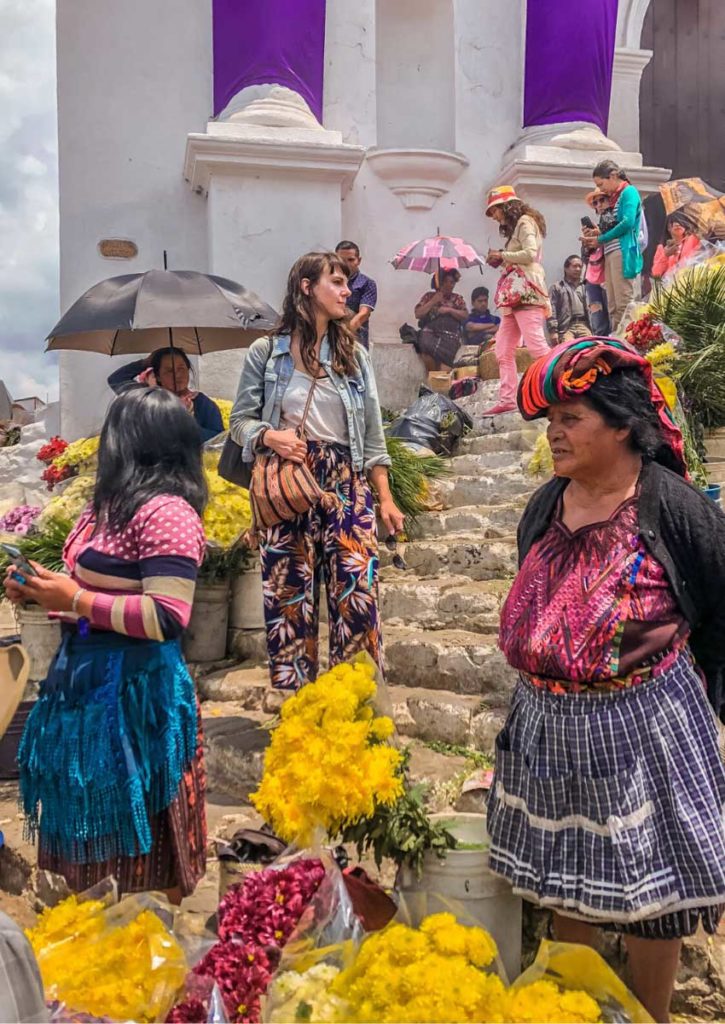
569 315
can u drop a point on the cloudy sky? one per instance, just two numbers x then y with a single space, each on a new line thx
28 196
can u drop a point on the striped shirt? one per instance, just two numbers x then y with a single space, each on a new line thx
143 578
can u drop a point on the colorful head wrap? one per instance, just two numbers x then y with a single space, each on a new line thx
569 370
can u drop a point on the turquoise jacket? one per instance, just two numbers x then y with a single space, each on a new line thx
629 213
265 376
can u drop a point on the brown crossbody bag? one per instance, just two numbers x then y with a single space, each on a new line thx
282 490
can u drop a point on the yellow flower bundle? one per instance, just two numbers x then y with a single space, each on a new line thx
228 514
131 970
225 408
434 973
72 499
78 453
328 765
437 974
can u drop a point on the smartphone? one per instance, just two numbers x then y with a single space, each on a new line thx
587 222
19 561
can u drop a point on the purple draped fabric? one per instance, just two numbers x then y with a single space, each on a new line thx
569 56
269 41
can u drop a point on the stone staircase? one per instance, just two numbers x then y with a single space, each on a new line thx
447 679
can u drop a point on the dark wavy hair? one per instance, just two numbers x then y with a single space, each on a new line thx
513 211
298 314
154 360
606 168
622 399
683 219
149 445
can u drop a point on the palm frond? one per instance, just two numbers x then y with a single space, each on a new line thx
409 474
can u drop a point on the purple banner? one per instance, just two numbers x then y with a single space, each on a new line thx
269 41
569 56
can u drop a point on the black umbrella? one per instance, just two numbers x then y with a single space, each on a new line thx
138 313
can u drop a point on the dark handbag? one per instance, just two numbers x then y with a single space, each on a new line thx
232 466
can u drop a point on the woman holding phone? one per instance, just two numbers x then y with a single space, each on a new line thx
111 774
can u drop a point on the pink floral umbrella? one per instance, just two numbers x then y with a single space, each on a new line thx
438 253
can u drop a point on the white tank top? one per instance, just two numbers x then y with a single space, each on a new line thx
326 420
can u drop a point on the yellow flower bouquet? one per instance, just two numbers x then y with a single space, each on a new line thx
328 763
118 962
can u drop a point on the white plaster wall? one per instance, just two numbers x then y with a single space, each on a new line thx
487 120
350 103
133 79
258 226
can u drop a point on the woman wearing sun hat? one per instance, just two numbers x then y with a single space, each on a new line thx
521 296
608 796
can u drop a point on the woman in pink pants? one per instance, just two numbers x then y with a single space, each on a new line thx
521 295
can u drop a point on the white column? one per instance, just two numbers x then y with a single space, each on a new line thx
624 103
273 179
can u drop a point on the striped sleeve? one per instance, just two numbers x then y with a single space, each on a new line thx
170 543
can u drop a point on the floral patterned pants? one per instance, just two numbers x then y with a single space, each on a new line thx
339 545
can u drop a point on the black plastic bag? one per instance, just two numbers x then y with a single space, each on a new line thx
432 421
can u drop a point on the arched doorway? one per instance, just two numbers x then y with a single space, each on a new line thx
682 103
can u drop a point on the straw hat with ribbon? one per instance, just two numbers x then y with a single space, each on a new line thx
499 195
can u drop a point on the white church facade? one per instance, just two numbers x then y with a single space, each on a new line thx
420 109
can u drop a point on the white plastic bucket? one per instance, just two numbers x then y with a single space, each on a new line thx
206 635
247 607
463 876
40 636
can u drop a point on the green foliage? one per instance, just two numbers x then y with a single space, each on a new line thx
222 563
44 544
693 305
404 833
476 757
409 474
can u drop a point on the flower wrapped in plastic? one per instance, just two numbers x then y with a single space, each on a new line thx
570 983
19 519
225 408
117 961
438 972
329 763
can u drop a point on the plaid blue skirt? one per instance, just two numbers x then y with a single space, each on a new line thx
608 807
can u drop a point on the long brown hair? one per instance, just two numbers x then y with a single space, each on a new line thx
298 314
513 211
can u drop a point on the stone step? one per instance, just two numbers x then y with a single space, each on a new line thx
715 470
446 716
489 520
511 441
449 602
496 486
508 422
493 465
448 659
715 447
461 554
234 745
463 464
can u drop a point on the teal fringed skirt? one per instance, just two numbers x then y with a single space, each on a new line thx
107 747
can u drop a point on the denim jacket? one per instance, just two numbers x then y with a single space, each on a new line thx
262 385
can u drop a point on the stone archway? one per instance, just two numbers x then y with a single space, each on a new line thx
630 60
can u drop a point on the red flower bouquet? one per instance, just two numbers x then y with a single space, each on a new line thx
267 907
644 333
55 447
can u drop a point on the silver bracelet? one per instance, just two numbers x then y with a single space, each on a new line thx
76 598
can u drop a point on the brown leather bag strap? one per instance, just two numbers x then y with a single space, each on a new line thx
308 403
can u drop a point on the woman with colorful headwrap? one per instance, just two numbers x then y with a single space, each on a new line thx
609 791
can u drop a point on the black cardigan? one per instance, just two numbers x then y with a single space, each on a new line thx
685 532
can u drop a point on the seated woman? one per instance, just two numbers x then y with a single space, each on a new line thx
609 791
170 368
680 243
441 313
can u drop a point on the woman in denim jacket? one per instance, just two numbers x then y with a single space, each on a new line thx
345 448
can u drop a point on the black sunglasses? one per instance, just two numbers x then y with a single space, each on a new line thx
392 545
